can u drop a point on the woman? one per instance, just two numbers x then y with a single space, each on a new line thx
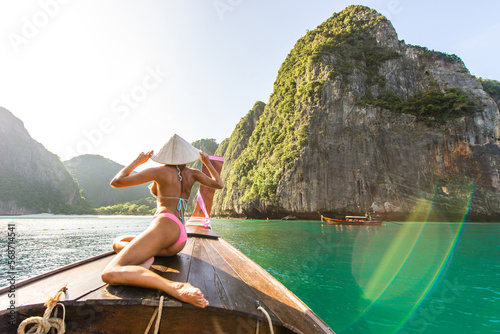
166 235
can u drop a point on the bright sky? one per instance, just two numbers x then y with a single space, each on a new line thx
117 77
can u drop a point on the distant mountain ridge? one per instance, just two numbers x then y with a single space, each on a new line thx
32 179
93 174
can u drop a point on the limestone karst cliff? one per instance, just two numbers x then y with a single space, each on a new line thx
360 121
32 180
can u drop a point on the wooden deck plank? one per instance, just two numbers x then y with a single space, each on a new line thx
202 274
238 294
293 312
175 268
79 281
200 232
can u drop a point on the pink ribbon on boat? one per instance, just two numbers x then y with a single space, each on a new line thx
203 208
215 158
195 218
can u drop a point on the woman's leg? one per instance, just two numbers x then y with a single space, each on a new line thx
125 268
120 242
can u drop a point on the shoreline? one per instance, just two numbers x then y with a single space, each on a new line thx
63 216
58 216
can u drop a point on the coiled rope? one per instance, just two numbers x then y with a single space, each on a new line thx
46 323
158 311
263 310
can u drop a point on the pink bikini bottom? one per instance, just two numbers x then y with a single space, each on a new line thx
183 236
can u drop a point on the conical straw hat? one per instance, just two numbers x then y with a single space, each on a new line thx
176 151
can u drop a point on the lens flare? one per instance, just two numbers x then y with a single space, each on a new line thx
442 265
395 258
408 268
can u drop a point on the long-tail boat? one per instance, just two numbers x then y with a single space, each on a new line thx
352 220
243 297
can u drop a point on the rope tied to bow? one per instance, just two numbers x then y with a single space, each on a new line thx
157 311
46 323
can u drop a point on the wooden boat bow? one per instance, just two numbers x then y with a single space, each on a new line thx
230 281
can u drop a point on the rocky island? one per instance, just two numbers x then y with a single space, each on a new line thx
359 121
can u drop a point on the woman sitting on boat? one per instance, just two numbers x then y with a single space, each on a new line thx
166 235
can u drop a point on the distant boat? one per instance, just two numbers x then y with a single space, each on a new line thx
352 220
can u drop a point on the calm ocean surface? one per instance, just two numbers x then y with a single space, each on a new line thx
395 278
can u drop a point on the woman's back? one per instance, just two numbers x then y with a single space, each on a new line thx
172 183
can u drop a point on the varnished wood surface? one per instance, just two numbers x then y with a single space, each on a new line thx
230 281
103 318
200 232
79 280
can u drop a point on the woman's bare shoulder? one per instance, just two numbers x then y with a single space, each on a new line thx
152 170
155 171
194 170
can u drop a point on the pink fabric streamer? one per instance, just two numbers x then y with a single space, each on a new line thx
205 220
215 158
203 207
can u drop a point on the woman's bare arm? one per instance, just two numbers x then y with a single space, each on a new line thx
215 180
124 179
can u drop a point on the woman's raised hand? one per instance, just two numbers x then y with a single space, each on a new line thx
214 181
143 157
204 157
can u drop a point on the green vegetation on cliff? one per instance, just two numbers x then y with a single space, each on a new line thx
232 147
430 106
36 195
492 87
345 43
207 145
145 206
341 45
437 55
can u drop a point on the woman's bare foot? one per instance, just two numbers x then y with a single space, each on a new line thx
189 294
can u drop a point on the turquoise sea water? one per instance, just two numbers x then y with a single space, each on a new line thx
394 278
